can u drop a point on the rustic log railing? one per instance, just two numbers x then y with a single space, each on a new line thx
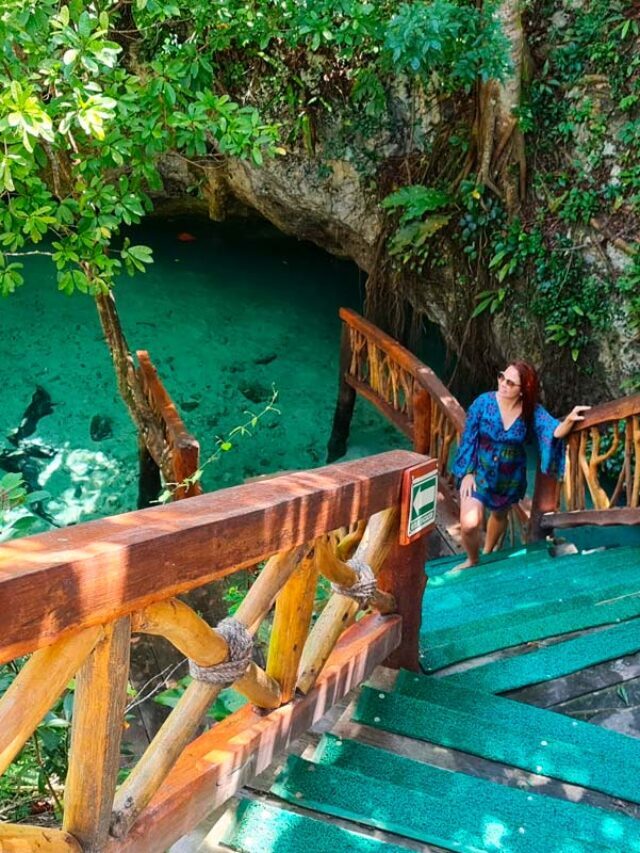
608 431
406 391
179 456
73 598
410 395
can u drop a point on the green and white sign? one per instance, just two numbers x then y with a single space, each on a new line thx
423 501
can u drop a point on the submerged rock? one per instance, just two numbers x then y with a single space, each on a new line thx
256 392
101 427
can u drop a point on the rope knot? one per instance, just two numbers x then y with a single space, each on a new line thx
240 644
364 588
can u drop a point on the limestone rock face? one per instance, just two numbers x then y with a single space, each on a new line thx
326 203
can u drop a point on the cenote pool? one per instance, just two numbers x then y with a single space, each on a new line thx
225 317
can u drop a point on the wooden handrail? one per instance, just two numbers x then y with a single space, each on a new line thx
423 374
597 517
77 594
61 581
613 410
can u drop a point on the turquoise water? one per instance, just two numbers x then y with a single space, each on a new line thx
225 317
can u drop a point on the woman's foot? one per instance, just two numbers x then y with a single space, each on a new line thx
468 564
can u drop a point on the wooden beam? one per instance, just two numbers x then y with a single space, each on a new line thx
98 718
223 759
402 356
61 581
400 420
598 517
16 838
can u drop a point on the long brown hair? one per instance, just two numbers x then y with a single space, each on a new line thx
530 389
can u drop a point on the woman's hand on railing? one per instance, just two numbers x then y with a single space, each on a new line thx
574 417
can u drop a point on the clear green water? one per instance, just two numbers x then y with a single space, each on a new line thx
208 312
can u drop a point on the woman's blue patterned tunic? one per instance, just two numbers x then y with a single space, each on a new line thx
497 457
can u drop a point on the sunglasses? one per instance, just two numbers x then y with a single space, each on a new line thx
508 382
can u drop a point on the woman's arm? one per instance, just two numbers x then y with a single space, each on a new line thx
565 426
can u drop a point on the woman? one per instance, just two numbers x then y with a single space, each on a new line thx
491 463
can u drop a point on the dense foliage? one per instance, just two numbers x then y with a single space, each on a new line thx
94 93
545 263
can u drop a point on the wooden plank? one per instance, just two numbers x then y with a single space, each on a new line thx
597 517
60 581
423 374
220 761
400 420
16 838
614 410
98 718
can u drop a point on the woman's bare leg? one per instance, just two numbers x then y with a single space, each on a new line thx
496 527
471 517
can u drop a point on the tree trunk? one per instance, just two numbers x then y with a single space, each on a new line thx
127 378
500 143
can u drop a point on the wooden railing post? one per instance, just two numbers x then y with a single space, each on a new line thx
403 575
344 406
421 420
98 719
292 618
546 493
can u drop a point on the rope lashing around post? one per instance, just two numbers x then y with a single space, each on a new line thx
364 588
240 643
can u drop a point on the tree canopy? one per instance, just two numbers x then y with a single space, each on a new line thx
93 94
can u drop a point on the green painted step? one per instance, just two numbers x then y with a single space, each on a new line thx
453 810
446 607
503 730
518 597
263 828
487 572
540 566
604 606
441 565
554 661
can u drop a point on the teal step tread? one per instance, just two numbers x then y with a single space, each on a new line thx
446 646
471 584
263 828
503 730
435 782
444 608
528 594
441 565
551 662
487 572
452 810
